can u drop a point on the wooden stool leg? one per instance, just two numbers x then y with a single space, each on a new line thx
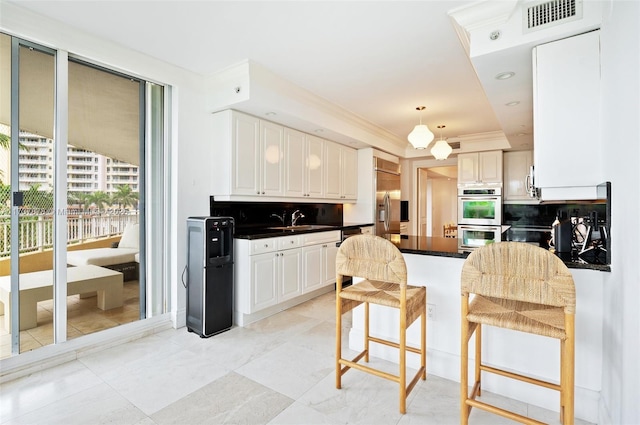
464 358
568 368
423 343
338 342
478 358
366 332
403 362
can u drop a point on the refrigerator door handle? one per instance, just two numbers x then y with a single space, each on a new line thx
387 211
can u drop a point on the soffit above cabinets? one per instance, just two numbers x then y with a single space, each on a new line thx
496 37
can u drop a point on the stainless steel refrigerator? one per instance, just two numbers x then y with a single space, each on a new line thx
387 206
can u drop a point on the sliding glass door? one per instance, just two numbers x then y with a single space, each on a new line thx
74 140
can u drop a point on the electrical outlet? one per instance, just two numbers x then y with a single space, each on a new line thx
431 312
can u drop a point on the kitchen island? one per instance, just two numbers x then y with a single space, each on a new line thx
437 264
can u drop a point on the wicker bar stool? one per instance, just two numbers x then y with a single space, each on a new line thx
524 288
382 266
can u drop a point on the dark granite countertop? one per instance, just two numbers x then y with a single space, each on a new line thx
421 245
261 233
448 247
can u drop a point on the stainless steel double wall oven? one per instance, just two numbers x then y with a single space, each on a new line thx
479 215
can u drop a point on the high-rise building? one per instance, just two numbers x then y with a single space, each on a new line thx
87 171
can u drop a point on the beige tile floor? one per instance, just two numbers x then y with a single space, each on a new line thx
83 317
276 371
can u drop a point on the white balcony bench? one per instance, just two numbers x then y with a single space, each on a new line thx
38 286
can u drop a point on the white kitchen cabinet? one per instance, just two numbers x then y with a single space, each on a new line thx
566 103
256 156
516 170
289 274
276 270
341 172
272 159
319 260
304 156
264 281
294 151
246 157
480 167
275 273
314 166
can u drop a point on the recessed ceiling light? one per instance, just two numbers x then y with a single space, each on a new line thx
319 130
270 114
514 103
505 75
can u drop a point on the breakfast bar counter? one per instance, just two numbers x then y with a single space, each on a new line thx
433 263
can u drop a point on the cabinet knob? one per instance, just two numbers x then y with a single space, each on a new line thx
266 245
263 193
258 193
292 242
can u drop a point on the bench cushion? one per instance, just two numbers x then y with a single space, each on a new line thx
101 256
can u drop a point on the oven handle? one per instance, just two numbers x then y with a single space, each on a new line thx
479 198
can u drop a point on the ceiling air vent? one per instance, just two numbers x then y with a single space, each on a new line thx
550 13
454 145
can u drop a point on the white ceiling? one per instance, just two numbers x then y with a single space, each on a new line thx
377 59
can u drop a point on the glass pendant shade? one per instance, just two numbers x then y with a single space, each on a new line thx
441 150
420 137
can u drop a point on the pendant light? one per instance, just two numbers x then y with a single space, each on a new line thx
421 136
441 150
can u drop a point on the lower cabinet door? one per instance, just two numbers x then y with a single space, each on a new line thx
290 279
264 278
312 268
329 250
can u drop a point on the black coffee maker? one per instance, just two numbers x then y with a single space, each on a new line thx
562 232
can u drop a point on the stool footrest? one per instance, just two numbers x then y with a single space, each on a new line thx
505 413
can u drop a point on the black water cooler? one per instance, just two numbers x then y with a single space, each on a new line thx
209 275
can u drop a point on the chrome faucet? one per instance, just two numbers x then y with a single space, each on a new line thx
295 218
281 218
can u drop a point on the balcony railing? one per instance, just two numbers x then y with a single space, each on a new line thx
35 232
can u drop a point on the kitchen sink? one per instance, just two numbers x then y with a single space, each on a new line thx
302 227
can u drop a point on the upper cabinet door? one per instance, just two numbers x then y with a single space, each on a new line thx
516 170
332 175
567 144
468 168
490 167
349 173
246 155
295 169
480 167
272 143
314 167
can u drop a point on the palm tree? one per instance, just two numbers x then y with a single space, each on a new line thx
124 196
100 199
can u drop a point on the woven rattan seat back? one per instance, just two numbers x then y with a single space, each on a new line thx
521 287
373 258
519 272
383 273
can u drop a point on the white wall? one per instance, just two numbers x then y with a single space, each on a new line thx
189 145
620 55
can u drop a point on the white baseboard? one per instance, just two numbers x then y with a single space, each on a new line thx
52 355
179 318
